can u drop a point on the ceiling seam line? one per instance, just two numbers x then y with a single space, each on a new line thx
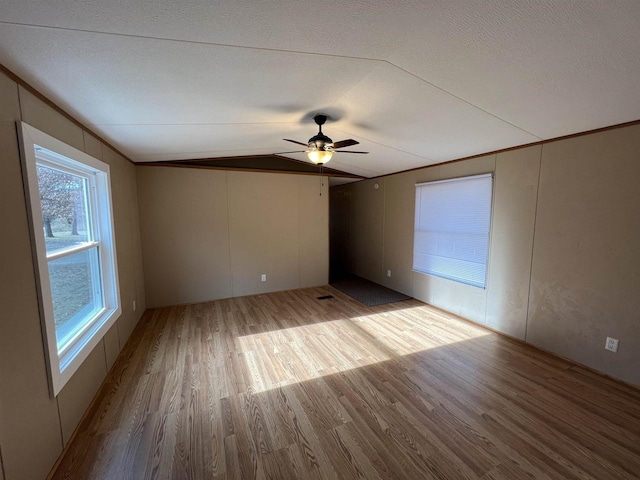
462 99
186 124
378 143
299 52
195 42
21 83
341 165
257 154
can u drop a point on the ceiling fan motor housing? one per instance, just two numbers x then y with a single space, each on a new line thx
321 147
321 142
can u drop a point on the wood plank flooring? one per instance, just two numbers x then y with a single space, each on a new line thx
286 386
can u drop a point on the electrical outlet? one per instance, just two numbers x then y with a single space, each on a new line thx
612 344
263 277
134 305
389 273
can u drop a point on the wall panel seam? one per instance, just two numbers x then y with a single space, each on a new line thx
104 349
533 243
298 242
118 336
19 101
60 421
136 314
384 225
491 236
226 188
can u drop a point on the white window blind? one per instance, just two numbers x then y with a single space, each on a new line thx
453 220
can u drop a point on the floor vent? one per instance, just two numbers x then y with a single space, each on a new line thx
325 297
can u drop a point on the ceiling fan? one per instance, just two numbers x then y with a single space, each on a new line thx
321 148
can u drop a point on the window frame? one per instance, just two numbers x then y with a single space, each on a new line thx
453 278
39 148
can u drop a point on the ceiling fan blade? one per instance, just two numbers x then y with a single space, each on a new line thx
294 141
345 143
296 151
348 151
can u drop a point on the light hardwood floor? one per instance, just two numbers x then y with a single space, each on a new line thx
286 386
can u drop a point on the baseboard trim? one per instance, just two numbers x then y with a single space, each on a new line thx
548 352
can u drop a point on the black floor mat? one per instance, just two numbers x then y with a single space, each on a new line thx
366 292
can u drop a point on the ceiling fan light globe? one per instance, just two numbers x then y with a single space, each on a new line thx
319 157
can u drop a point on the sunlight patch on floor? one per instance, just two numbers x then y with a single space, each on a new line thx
292 355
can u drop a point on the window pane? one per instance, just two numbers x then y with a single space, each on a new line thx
65 212
75 291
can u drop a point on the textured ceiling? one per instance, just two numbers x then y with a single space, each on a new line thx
416 82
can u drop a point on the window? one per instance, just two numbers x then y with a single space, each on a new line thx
453 220
72 233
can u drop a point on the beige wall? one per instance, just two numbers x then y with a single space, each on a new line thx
586 257
210 234
565 245
186 258
34 426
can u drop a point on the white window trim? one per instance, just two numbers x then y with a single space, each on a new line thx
488 262
62 367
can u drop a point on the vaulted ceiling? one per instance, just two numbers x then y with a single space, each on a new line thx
416 82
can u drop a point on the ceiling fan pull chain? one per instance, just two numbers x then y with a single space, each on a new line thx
321 180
